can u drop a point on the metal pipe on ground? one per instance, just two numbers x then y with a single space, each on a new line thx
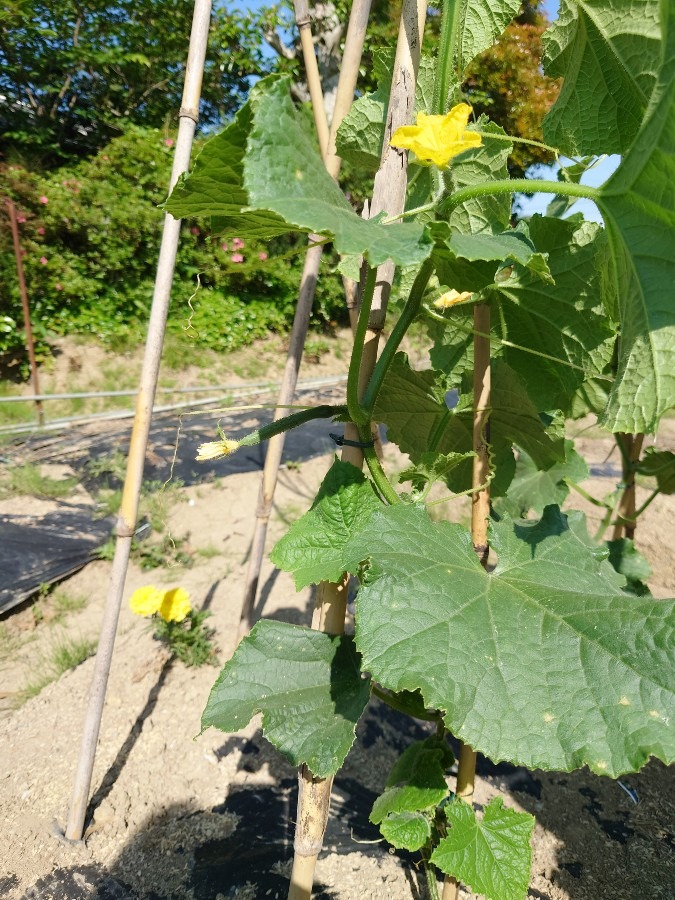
126 523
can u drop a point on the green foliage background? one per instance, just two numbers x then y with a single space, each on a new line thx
90 254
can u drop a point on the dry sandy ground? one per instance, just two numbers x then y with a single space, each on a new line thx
209 818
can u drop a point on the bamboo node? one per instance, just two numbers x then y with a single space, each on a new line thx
185 113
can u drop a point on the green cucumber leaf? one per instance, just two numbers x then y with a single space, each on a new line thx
406 830
433 467
638 206
608 53
492 855
265 168
312 548
545 662
481 22
532 489
628 561
659 464
307 685
555 336
490 213
412 406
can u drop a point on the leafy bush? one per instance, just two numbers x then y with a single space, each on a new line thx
90 236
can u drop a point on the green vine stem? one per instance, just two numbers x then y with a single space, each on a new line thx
518 185
445 66
382 483
410 310
359 415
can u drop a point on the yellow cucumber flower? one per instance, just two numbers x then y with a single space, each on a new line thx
175 605
146 600
436 139
451 298
215 449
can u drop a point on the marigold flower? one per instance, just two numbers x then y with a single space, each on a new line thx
436 139
146 600
175 605
451 298
215 449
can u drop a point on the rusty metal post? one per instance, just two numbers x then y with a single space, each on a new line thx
30 344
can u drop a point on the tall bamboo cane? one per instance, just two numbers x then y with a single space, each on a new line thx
126 523
480 514
351 59
329 614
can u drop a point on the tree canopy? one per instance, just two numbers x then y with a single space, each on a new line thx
75 74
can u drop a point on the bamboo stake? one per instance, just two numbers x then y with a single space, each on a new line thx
329 614
30 344
480 514
356 33
126 523
631 447
303 21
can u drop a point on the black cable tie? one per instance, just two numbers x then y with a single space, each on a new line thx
344 442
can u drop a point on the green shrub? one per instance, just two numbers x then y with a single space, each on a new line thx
90 235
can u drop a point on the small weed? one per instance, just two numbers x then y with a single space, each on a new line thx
65 603
165 554
110 464
208 552
66 653
315 348
27 479
189 641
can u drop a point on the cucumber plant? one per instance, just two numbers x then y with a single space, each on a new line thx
549 657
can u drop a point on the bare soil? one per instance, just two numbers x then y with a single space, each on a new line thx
177 816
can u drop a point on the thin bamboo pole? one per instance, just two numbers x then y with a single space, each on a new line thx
304 23
30 344
631 447
356 32
329 614
480 514
126 523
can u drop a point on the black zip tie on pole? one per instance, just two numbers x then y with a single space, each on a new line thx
344 442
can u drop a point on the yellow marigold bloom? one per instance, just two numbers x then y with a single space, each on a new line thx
215 449
146 600
175 605
436 139
451 298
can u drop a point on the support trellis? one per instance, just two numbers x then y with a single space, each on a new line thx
188 117
356 32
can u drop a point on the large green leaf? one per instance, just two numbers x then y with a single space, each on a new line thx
412 405
545 662
555 336
492 855
638 206
532 489
608 52
490 213
312 548
307 685
481 22
264 169
659 464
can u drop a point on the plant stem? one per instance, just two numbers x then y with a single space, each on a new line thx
508 138
447 51
515 185
480 513
375 467
585 494
287 422
410 310
631 447
358 413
